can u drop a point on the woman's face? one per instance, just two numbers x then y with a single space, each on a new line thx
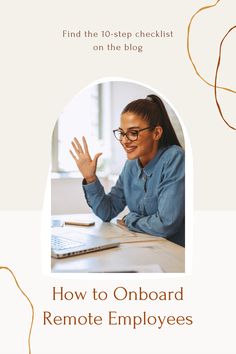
146 146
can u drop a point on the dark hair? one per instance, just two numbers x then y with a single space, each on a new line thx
152 110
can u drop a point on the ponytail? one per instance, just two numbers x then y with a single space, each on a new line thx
169 136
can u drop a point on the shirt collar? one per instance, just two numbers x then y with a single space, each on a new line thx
148 169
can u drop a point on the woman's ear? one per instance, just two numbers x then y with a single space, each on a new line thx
158 132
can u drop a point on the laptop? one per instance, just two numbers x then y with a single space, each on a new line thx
67 242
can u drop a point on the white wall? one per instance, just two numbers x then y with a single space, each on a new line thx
67 196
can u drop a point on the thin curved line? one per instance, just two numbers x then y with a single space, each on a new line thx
32 307
189 53
216 76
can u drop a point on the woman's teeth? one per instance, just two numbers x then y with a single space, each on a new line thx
130 149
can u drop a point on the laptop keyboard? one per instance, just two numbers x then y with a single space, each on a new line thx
60 243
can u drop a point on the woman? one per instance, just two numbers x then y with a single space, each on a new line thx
151 183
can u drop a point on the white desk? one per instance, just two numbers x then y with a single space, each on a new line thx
137 252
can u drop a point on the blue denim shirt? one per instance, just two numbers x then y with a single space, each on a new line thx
154 195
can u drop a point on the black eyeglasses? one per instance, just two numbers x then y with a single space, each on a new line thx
131 135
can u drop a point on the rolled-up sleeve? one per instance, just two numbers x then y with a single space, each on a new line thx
168 218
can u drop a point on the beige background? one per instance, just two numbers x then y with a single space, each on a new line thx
40 72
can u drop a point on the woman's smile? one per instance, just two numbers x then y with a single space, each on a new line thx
129 149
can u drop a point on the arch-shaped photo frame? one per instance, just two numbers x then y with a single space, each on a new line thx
94 113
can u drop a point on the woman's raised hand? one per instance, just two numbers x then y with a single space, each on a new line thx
83 160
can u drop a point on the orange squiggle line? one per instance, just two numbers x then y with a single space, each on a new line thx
32 307
218 64
189 53
216 76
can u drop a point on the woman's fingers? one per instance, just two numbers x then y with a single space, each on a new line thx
120 222
76 149
81 156
95 159
85 145
78 146
74 157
